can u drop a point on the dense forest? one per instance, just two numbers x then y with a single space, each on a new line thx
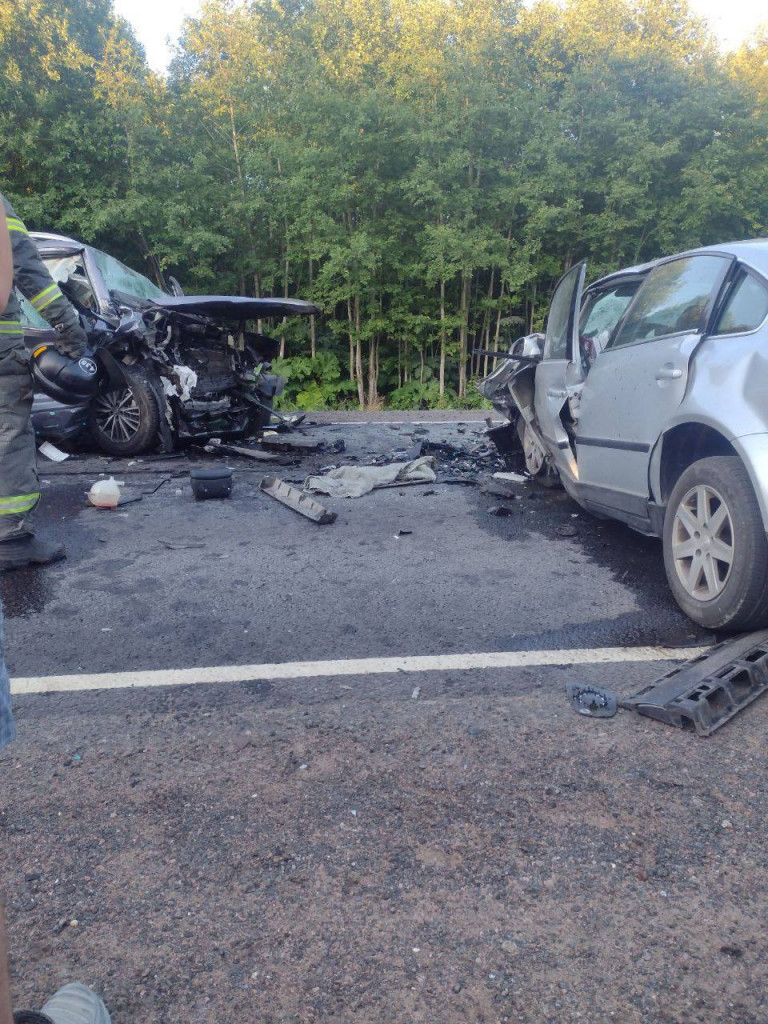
424 170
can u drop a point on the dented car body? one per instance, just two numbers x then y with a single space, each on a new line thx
180 368
647 398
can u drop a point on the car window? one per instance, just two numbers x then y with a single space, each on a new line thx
673 299
559 319
119 278
69 271
603 310
745 308
29 315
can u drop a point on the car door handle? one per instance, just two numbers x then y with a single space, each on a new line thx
669 373
556 393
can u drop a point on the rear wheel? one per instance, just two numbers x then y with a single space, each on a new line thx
715 547
536 461
126 422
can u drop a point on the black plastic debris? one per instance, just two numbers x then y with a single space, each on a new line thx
708 691
500 510
211 483
592 701
217 446
297 500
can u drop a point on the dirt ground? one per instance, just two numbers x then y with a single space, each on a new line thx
370 859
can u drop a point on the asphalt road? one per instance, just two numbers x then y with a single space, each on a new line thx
285 849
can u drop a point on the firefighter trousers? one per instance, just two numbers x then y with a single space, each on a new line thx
19 482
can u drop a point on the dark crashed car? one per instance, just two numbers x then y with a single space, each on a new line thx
175 368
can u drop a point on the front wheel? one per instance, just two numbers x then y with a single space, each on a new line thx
715 547
126 422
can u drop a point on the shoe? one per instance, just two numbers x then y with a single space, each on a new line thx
76 1004
23 551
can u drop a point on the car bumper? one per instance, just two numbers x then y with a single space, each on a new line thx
56 422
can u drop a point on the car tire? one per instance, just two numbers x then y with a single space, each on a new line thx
126 422
715 546
539 469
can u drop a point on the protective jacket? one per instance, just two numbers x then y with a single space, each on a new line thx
33 281
19 484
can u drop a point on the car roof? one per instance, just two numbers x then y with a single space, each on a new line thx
46 240
753 252
639 270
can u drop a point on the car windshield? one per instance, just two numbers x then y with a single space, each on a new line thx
121 279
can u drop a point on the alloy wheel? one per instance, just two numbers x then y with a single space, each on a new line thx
534 457
703 542
117 414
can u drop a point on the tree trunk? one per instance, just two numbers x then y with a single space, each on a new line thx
359 356
373 372
312 324
443 344
466 285
351 341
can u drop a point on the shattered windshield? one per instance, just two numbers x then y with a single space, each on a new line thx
121 279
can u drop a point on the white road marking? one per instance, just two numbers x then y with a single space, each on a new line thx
350 667
409 423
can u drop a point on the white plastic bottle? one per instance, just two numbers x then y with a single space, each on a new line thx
105 493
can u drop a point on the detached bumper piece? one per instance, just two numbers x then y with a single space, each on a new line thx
297 500
705 693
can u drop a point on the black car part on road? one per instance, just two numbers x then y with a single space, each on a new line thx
705 693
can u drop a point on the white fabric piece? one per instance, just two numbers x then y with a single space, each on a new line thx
355 481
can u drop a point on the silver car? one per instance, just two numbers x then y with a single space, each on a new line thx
648 399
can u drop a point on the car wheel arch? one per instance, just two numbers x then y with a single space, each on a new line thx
678 448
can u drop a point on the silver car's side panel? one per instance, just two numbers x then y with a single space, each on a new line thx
629 396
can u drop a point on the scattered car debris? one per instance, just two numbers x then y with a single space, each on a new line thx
355 481
295 499
706 692
567 530
216 445
404 533
501 488
592 701
211 483
289 422
500 511
50 451
280 443
516 478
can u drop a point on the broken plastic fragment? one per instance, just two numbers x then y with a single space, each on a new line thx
592 701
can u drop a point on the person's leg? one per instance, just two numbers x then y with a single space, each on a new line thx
19 483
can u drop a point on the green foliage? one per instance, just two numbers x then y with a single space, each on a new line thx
313 383
422 170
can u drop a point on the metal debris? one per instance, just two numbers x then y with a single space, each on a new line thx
217 446
297 500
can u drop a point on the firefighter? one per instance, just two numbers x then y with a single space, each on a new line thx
19 483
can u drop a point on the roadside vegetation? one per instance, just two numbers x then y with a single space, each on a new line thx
424 170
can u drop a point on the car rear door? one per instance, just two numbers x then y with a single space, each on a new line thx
640 379
560 368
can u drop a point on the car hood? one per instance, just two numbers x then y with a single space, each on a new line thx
235 307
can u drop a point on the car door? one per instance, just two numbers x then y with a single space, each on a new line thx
559 369
640 379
